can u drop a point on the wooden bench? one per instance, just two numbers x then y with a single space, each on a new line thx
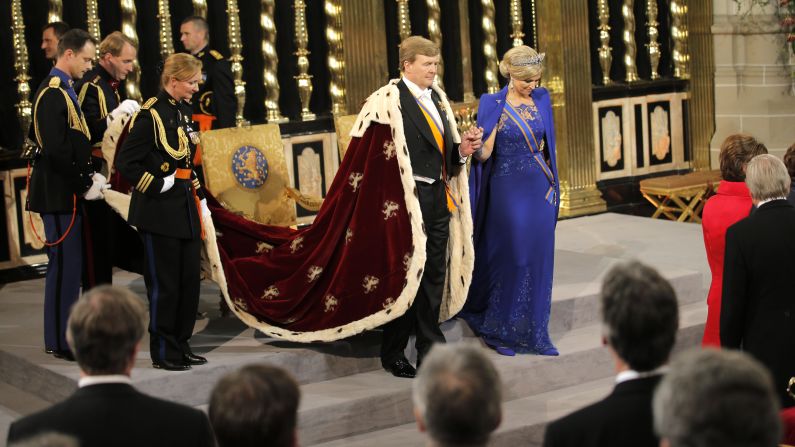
680 194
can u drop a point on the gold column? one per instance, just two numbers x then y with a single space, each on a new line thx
24 107
466 49
535 23
128 18
55 13
236 47
489 46
365 36
435 34
336 56
605 50
92 21
629 41
200 8
304 78
270 63
564 28
701 114
679 36
516 22
653 46
165 37
404 21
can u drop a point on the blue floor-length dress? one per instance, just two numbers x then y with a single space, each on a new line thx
509 300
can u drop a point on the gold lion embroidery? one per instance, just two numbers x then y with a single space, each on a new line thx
370 283
389 209
354 179
348 235
330 302
313 273
263 247
389 150
296 244
270 293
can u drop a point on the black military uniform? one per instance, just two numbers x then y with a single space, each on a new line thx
61 176
160 142
107 239
216 95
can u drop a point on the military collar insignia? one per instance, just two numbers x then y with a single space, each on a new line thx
171 101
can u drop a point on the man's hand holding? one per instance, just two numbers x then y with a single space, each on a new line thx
471 141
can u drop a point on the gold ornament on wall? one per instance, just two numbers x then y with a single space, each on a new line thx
435 35
55 13
270 63
605 51
653 32
200 8
630 49
165 36
92 21
489 46
516 22
680 56
304 79
236 48
336 56
129 16
21 65
404 20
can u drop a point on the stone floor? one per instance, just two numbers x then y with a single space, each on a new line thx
346 398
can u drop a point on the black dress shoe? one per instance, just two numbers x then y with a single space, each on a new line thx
193 359
401 368
64 355
169 365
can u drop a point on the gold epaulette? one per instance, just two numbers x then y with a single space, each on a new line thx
96 79
76 120
55 82
149 102
216 54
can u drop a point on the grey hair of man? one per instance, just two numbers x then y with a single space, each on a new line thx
716 398
104 329
767 178
48 439
640 315
458 395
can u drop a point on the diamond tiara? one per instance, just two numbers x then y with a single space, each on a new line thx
535 60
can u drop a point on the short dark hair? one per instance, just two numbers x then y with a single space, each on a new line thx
255 406
789 161
74 39
641 315
59 28
104 327
198 21
735 152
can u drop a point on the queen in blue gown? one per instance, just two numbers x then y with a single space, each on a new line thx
514 192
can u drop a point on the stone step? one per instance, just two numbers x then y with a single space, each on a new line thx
343 408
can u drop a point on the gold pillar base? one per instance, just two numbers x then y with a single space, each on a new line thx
581 202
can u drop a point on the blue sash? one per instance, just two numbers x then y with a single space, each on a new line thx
517 118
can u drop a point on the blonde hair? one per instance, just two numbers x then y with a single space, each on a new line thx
414 45
113 44
514 63
180 66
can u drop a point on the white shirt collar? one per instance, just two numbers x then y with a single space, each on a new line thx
416 90
101 380
769 200
631 374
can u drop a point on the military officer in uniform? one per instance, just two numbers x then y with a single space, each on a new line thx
61 178
108 240
169 210
216 95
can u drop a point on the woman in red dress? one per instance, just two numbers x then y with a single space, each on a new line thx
731 203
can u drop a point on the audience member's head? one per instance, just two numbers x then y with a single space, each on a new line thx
457 396
104 329
640 315
714 398
767 178
49 439
51 34
789 161
735 153
194 34
117 54
76 52
255 406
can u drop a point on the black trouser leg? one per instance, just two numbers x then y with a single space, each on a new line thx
97 244
190 284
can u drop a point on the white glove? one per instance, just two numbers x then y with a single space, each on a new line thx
127 107
168 182
100 183
205 210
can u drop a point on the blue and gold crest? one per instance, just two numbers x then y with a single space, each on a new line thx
250 167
